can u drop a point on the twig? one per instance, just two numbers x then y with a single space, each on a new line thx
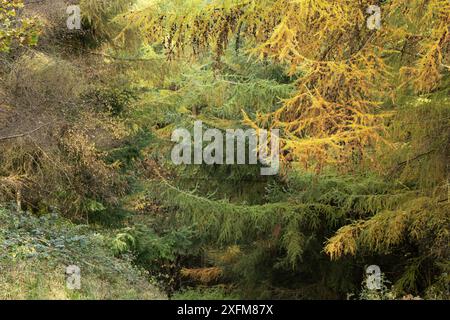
404 163
23 134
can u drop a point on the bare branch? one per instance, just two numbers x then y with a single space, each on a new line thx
23 134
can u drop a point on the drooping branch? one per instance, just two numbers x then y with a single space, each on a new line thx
404 163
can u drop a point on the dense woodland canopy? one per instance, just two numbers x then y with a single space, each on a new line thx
86 177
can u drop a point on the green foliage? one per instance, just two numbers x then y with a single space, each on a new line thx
98 16
14 28
36 250
214 293
112 100
384 293
160 255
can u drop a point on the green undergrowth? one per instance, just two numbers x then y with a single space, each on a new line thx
35 251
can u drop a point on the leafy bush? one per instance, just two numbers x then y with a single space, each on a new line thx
35 252
161 255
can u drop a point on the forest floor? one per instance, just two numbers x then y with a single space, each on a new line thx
37 251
